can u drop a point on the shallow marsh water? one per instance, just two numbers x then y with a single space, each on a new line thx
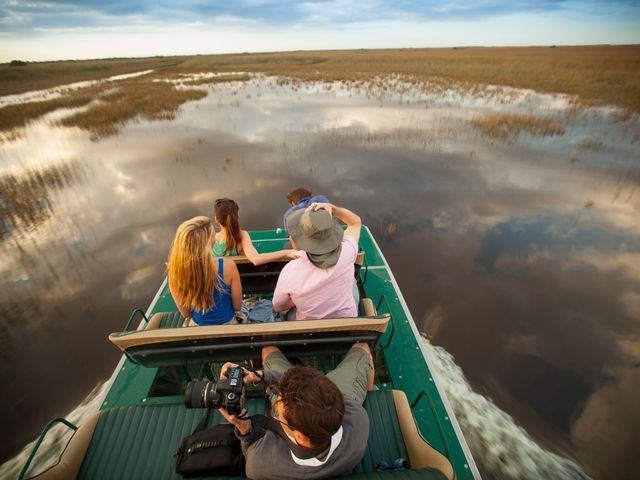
520 258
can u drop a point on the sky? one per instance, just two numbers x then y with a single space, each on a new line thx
35 30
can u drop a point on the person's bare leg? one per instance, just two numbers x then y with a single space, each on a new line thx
267 350
365 346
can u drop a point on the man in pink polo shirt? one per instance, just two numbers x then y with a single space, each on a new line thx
319 283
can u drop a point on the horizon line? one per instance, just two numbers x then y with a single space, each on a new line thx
267 52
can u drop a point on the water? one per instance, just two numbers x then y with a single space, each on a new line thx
504 449
521 259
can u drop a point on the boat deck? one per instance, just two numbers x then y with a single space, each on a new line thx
404 355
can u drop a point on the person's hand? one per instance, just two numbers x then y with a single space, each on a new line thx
242 425
248 377
315 206
225 367
291 254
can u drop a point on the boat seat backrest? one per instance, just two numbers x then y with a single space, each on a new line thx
164 335
165 320
139 442
240 259
180 346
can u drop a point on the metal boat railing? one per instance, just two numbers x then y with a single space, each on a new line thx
40 440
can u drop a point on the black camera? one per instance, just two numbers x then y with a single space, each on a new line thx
227 393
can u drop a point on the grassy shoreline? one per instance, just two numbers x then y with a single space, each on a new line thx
595 74
44 75
589 75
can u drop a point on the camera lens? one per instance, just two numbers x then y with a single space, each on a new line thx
195 393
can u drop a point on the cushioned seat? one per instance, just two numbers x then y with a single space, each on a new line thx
139 442
165 320
385 438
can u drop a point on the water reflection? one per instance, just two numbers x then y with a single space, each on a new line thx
523 262
25 199
527 236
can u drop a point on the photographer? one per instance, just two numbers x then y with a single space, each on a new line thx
325 427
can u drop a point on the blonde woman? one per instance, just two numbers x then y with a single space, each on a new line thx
205 289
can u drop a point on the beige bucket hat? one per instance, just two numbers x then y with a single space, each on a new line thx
318 233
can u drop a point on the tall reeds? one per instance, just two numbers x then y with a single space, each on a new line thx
131 99
595 74
108 106
508 126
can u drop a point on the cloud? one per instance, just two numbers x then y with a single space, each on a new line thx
27 17
75 29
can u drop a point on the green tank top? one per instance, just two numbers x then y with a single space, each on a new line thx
218 250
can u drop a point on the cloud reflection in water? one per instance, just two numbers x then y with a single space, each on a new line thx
492 244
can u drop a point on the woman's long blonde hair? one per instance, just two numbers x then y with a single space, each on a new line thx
191 268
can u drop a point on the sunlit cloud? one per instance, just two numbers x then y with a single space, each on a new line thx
95 29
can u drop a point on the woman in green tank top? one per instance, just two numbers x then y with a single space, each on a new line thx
231 240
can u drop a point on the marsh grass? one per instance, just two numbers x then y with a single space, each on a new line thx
596 75
129 100
508 126
591 143
109 106
41 75
25 199
19 114
589 75
244 77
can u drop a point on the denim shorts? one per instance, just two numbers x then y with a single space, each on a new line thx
351 375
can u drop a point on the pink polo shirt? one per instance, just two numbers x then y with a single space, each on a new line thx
319 292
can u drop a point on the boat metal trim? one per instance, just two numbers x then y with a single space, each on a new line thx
123 358
419 340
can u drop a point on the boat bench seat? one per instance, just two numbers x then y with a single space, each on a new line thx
175 319
139 442
165 320
180 346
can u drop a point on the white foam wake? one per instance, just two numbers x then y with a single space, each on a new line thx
56 439
502 449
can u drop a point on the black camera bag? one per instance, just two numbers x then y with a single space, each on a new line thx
212 451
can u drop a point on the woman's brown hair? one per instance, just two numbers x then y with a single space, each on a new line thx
313 404
227 214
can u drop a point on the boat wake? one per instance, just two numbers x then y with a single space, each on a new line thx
501 449
56 439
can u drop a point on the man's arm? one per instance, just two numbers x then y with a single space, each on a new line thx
346 216
281 301
282 304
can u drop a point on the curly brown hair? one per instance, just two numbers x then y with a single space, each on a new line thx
313 404
296 194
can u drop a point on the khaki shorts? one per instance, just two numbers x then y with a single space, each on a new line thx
350 376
